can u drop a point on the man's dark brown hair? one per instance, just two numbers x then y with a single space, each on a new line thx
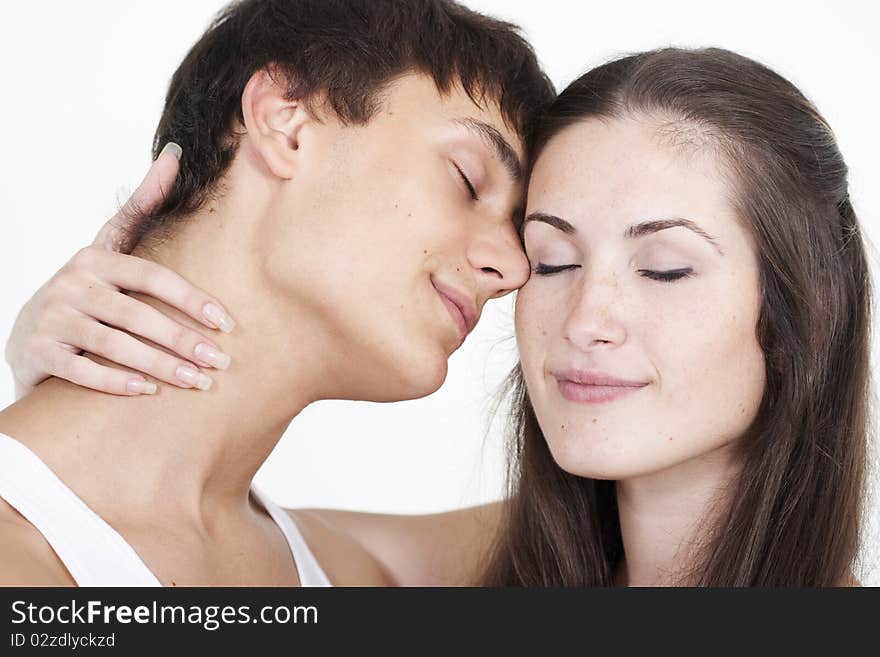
346 50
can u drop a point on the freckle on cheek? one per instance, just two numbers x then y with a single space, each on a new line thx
594 420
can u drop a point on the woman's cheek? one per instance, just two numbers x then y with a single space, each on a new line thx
529 319
713 368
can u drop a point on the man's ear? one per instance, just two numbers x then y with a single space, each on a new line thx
273 123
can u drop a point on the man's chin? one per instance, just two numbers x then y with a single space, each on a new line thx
414 377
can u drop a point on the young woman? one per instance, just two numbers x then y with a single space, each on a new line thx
692 396
691 402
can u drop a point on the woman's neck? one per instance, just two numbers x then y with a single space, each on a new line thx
667 517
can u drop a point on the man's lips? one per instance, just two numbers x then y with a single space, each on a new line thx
462 310
592 386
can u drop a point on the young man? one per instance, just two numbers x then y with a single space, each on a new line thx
348 179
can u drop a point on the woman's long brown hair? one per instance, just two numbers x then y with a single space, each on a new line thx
795 510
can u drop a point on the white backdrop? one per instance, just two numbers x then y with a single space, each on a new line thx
83 84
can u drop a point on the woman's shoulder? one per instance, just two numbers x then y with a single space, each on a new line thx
851 581
439 549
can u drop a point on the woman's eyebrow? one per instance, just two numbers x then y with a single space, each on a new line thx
656 225
550 219
635 231
502 150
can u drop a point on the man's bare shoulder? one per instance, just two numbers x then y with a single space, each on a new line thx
26 559
440 549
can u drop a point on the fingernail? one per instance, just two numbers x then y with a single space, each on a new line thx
193 377
172 148
216 315
212 356
138 387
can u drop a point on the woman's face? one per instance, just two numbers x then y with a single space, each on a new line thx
637 328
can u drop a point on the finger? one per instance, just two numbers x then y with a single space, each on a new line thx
89 374
121 348
139 275
141 319
152 191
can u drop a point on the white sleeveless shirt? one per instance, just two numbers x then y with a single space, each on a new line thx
93 552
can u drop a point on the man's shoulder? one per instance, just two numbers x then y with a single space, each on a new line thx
26 559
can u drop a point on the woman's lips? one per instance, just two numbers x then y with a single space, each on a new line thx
594 387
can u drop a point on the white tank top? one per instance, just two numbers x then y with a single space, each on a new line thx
93 552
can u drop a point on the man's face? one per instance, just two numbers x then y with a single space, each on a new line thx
402 230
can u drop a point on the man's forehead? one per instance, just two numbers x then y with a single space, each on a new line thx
416 92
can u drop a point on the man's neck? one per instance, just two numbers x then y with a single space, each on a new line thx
185 449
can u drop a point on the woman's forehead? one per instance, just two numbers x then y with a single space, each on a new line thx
621 170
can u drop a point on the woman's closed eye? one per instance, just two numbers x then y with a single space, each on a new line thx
542 269
664 276
668 275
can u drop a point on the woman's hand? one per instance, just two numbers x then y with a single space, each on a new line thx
82 308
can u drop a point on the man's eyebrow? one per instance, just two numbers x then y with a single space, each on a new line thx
503 150
656 225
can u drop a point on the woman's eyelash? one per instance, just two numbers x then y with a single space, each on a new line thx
545 270
471 189
667 276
